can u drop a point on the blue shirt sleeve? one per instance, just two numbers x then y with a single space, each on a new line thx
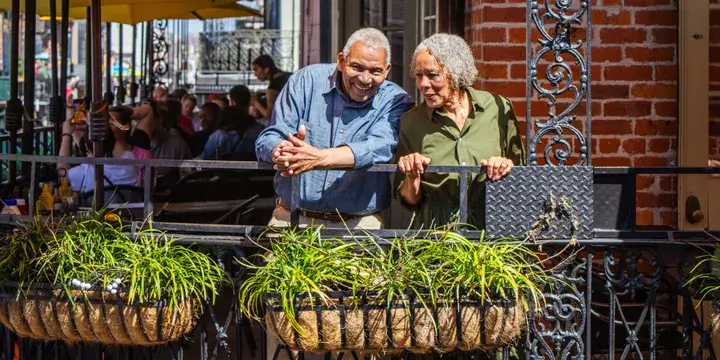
381 142
286 114
212 146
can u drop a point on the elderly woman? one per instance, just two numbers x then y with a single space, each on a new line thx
455 125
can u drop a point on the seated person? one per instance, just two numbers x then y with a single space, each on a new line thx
209 117
235 137
116 144
168 142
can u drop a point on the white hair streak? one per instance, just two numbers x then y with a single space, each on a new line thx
371 37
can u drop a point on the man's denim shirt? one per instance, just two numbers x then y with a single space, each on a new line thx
312 97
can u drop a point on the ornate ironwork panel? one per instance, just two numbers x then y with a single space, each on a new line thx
234 51
161 48
559 206
558 332
563 86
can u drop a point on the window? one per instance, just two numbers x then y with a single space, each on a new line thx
387 16
428 18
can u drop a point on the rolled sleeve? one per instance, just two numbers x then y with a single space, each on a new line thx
382 140
285 118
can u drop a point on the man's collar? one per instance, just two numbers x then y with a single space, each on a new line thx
335 83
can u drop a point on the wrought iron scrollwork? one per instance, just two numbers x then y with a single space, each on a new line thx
161 47
557 332
624 278
559 75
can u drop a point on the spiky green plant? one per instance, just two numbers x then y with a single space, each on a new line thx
706 274
299 266
480 269
95 251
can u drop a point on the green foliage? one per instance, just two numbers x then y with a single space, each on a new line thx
94 251
300 265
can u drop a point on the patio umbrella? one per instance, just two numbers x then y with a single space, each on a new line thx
131 8
193 9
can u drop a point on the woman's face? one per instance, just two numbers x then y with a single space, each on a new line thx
187 107
432 81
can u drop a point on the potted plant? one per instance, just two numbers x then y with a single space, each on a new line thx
705 276
87 279
441 293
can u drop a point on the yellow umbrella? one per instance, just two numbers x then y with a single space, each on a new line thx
131 8
216 12
137 13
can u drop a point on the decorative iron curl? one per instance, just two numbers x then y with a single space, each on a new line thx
161 48
557 332
560 78
623 272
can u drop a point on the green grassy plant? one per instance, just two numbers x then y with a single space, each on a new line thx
445 267
90 252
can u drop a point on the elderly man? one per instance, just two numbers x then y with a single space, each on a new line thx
336 116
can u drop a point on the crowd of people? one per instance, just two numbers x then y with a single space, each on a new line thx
173 126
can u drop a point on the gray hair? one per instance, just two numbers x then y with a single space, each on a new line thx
454 56
371 37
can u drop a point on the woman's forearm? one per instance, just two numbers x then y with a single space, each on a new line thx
410 191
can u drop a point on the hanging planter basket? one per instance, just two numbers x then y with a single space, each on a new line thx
49 313
367 323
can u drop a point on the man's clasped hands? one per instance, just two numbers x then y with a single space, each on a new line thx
295 156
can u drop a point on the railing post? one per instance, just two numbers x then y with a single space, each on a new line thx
556 54
566 329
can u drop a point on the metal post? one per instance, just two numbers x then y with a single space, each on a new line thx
108 64
55 109
98 104
28 135
121 89
132 65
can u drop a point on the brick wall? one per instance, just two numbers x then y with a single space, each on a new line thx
634 79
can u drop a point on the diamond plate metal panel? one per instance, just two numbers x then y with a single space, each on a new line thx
522 199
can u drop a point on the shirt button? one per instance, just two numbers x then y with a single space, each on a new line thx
460 139
342 131
463 163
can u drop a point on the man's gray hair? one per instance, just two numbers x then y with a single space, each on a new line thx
454 56
371 37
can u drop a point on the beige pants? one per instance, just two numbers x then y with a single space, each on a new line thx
280 218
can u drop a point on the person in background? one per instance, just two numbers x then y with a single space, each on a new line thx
265 70
256 113
456 125
220 100
189 103
235 137
159 94
116 145
209 117
169 142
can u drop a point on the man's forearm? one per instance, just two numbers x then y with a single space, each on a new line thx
65 146
338 158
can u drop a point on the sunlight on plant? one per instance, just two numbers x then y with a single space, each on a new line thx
89 252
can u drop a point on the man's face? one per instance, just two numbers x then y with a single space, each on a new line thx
363 71
206 119
260 73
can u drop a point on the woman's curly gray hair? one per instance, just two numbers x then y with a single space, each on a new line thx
454 56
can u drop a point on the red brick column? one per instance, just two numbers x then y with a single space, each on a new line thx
633 76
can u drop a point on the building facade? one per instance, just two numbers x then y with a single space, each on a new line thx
655 76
